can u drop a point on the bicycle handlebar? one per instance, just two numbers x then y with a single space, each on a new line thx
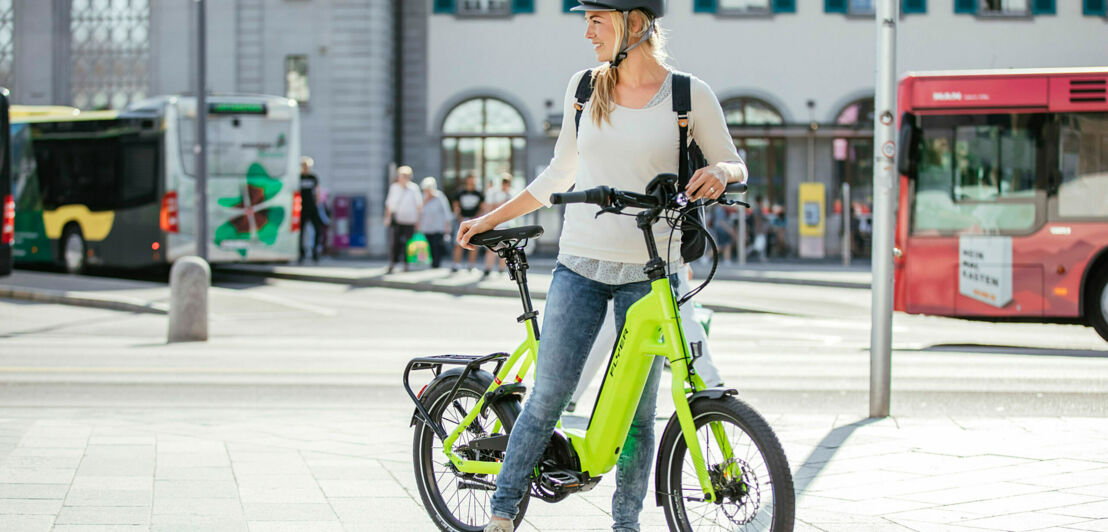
598 195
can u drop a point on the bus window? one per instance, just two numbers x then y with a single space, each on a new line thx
977 175
1083 163
79 173
236 142
140 173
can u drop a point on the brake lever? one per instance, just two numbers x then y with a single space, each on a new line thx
611 209
733 202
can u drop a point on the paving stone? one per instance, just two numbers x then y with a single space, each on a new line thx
209 508
29 507
194 473
27 523
299 526
93 515
109 497
131 482
194 523
196 489
33 491
288 512
1019 522
30 475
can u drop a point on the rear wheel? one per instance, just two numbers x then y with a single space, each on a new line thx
752 481
1096 308
73 250
460 501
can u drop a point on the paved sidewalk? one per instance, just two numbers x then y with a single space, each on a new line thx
239 469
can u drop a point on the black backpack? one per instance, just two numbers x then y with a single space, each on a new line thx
690 159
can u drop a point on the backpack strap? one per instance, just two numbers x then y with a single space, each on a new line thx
584 92
682 104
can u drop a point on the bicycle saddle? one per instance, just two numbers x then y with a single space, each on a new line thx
496 236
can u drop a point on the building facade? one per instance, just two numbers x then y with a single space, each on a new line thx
795 79
453 87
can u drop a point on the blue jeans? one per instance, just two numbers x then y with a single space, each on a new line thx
575 308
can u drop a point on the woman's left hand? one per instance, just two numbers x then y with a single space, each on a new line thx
707 183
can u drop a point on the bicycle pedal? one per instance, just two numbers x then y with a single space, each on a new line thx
562 479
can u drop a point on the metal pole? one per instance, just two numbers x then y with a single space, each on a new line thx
884 209
847 211
201 148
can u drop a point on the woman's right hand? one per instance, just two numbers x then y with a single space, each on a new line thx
472 227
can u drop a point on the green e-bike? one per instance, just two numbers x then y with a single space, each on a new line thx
719 464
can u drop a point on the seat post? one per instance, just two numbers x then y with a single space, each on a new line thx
516 260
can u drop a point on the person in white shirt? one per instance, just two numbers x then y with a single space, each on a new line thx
628 134
402 209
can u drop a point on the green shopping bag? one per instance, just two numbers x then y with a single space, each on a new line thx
418 250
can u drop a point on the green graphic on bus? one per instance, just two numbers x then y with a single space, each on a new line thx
260 187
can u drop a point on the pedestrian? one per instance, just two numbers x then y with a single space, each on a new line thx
627 136
723 228
310 212
759 225
402 206
468 204
436 220
494 199
606 340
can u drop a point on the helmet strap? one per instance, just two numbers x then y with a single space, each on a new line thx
623 48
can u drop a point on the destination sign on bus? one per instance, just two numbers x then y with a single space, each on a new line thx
237 108
1000 92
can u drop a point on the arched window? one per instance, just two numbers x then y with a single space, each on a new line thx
747 111
485 137
852 163
748 119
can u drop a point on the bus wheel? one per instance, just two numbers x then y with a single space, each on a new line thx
73 250
1097 307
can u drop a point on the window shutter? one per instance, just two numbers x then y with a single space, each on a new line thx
444 6
834 6
523 6
1096 7
913 6
704 6
1042 7
568 4
965 6
784 6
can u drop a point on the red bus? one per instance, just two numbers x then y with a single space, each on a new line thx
1003 198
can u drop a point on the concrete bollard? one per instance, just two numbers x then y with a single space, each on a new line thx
188 300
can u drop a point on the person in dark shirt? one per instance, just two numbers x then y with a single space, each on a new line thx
310 211
469 203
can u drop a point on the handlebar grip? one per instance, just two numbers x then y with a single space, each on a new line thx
597 195
735 188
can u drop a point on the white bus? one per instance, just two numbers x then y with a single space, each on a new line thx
119 188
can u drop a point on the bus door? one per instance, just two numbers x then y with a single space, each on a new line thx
977 199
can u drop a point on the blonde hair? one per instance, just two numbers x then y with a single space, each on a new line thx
605 78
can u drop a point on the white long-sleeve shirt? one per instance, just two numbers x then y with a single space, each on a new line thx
626 154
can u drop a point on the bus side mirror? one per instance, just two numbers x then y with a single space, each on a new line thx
907 156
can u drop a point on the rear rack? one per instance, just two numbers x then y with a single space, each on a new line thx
435 364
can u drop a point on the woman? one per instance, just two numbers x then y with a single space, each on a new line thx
628 134
402 207
435 220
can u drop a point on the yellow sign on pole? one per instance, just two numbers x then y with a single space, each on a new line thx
813 219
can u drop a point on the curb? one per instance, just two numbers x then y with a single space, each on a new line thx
61 297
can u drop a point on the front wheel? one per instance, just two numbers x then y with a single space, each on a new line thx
460 501
73 250
747 467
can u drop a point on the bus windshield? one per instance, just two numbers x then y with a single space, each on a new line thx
235 142
989 173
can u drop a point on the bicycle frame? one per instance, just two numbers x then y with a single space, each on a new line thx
652 329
